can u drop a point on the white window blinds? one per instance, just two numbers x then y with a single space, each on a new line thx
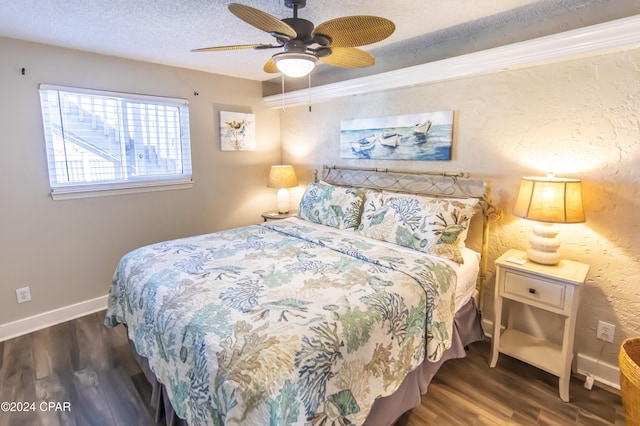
105 142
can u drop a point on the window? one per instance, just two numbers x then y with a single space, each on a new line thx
101 143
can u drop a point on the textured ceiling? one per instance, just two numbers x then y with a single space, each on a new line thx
164 31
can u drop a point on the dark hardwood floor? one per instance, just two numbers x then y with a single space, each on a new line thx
90 367
81 362
468 392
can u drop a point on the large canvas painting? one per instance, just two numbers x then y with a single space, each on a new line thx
426 136
237 131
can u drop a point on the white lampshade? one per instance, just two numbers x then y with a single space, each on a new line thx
548 200
282 177
295 64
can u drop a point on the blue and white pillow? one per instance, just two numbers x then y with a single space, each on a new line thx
336 206
435 226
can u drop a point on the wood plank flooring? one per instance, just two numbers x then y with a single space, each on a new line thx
468 392
90 366
81 362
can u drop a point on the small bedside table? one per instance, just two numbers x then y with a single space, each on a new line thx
555 289
274 215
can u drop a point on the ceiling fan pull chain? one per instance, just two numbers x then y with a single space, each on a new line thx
282 76
309 92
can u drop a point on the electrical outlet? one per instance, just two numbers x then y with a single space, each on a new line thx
23 294
605 331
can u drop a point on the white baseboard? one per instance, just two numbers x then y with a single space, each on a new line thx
602 372
50 318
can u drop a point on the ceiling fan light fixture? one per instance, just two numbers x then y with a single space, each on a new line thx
334 42
294 64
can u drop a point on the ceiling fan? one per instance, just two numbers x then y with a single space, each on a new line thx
332 42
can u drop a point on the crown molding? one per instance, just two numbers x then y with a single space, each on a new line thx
607 37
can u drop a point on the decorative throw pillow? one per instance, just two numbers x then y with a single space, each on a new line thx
335 206
435 226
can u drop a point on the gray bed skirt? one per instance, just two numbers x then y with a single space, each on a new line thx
386 410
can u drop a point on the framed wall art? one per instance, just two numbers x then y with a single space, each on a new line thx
237 131
426 136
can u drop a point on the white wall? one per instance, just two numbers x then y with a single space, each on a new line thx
66 251
577 118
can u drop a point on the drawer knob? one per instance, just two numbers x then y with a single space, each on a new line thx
532 290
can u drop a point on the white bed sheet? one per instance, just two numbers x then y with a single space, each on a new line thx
467 273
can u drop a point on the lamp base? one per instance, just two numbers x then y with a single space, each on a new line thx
283 201
544 244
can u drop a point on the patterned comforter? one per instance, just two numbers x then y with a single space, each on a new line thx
281 323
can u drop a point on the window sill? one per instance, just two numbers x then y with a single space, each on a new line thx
60 194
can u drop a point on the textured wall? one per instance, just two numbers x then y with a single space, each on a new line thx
576 118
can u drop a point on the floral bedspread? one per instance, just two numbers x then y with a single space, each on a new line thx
281 323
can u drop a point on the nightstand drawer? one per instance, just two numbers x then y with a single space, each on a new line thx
535 290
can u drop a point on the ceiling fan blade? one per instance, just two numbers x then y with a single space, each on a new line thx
351 31
349 57
271 67
262 20
234 47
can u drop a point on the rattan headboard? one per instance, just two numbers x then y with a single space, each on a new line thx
433 184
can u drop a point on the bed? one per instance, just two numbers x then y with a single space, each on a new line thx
339 316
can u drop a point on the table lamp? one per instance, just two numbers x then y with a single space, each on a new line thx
548 200
282 177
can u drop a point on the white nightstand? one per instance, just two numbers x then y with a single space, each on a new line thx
555 289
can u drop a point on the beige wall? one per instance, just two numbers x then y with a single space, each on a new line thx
66 251
577 118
